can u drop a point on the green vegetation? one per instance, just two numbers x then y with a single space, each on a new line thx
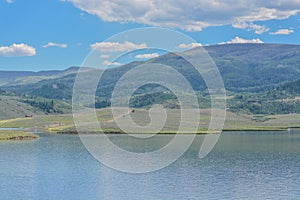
3 92
64 123
14 106
262 83
17 135
48 106
283 99
262 78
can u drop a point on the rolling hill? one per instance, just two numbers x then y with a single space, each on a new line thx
244 67
257 72
15 78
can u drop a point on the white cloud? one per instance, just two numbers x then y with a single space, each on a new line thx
16 50
108 63
238 40
9 1
192 15
53 44
147 56
104 56
117 47
258 29
283 32
188 46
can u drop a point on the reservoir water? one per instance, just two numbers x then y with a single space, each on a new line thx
243 165
11 129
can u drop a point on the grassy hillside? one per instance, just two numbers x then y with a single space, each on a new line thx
17 78
244 68
261 78
14 105
283 99
256 66
291 88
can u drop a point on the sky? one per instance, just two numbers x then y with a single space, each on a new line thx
56 34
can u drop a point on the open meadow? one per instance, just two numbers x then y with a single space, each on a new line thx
64 123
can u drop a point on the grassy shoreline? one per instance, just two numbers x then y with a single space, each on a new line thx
64 123
168 133
172 133
17 135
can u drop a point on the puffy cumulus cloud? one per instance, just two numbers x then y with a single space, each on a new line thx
53 44
238 40
116 46
192 15
282 32
16 50
188 46
258 29
108 63
147 56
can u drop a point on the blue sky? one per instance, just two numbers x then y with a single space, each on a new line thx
56 34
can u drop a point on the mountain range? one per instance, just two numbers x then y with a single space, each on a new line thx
268 72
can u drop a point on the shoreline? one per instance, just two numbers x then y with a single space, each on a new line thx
64 124
174 133
17 136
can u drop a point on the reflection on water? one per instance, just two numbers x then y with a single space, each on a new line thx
243 165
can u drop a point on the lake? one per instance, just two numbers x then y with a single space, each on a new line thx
243 165
11 129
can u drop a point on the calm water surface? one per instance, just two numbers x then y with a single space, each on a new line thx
243 165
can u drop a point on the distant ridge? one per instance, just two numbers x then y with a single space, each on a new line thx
16 77
244 68
259 79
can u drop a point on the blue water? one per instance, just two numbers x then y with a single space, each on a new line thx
243 165
11 129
